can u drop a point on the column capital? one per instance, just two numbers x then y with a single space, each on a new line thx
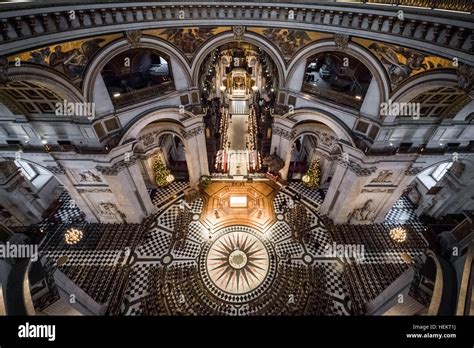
188 134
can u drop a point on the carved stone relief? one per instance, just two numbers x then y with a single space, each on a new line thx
384 176
88 176
364 213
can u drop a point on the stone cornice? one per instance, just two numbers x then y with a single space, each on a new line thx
48 23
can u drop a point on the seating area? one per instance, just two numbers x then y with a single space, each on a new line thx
367 281
180 291
105 284
375 237
181 227
97 236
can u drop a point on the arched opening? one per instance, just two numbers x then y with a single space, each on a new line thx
337 77
163 157
173 154
136 75
312 163
238 83
39 197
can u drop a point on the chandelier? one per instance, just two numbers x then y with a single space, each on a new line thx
398 234
305 179
73 236
170 178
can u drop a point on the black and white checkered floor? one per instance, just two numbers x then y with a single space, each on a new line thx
158 250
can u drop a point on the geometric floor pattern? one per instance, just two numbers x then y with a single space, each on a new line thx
297 278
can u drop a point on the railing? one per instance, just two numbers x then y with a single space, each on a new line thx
334 96
143 94
447 35
451 5
466 294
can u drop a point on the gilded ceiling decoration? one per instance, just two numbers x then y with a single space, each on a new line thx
402 63
69 58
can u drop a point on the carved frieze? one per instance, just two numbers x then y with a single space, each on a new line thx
356 168
377 190
94 190
117 167
192 133
88 176
56 169
413 171
283 133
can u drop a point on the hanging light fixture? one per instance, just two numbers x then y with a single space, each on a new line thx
305 178
73 236
398 234
170 178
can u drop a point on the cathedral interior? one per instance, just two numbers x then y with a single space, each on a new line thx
303 158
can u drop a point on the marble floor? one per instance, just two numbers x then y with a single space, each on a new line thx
232 270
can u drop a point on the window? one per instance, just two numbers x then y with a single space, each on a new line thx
431 176
439 171
27 170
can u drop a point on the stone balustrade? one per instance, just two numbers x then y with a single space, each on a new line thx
448 34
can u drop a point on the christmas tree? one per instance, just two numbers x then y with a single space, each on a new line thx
313 176
163 175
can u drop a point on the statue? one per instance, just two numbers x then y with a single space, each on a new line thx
274 163
361 214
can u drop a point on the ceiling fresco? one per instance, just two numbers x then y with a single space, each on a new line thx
71 58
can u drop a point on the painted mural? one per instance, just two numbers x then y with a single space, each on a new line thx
402 63
69 58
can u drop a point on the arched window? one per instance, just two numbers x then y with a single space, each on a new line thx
137 75
337 77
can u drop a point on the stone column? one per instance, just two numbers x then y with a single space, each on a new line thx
19 201
132 202
371 104
344 194
196 154
283 145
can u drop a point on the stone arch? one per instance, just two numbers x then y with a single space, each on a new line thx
307 116
424 82
187 126
61 178
122 45
226 37
353 49
46 77
142 120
